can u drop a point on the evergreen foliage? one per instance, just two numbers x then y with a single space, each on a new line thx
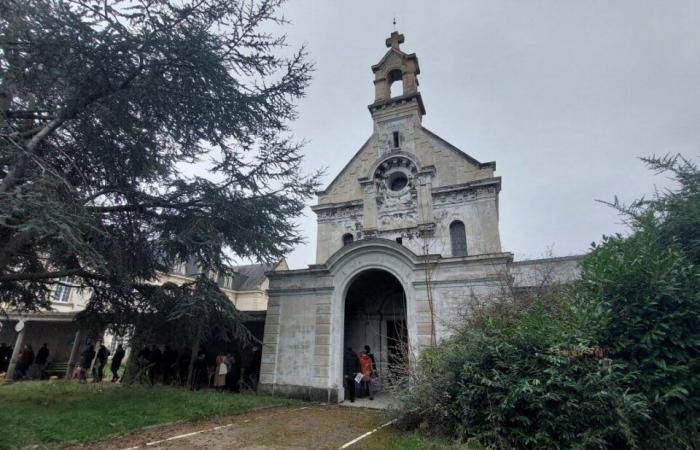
611 362
104 107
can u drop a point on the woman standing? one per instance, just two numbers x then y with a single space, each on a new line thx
366 369
221 371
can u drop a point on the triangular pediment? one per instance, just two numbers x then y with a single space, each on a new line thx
391 57
354 169
395 57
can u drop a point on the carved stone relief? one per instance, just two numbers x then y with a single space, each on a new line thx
461 196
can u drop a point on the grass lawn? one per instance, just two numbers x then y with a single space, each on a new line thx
38 413
393 439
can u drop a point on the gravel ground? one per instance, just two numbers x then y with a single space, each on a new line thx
302 427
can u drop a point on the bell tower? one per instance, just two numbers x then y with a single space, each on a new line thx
396 67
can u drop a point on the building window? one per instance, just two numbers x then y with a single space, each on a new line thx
458 237
62 292
224 281
395 136
399 240
397 181
191 268
347 239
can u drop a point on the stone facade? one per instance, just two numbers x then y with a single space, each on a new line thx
411 206
406 182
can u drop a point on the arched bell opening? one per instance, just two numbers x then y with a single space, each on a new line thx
395 79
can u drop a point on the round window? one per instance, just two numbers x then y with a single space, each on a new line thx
397 181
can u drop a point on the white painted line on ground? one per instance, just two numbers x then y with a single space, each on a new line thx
359 438
181 436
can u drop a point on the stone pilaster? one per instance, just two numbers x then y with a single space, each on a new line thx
369 206
424 181
322 342
268 366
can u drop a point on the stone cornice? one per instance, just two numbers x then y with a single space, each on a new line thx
400 101
554 259
494 181
324 206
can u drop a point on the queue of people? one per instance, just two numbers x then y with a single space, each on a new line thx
224 371
359 370
29 364
157 364
97 360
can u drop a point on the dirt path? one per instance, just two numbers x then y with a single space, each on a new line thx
312 426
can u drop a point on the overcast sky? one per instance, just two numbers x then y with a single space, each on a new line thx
563 95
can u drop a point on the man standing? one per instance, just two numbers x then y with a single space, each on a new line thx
117 362
350 369
26 359
85 362
156 364
169 364
42 357
5 355
99 371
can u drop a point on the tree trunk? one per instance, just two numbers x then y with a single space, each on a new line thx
193 357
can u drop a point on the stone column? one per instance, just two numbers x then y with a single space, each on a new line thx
73 354
16 351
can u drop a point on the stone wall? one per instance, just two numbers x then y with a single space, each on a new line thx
535 272
306 325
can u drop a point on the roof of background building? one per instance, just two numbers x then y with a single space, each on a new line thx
249 277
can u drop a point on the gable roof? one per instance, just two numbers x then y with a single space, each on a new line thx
342 171
461 153
472 160
400 54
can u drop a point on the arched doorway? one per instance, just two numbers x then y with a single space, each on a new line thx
375 315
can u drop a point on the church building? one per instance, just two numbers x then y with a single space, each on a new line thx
408 237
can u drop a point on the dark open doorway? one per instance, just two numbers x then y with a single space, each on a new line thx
375 315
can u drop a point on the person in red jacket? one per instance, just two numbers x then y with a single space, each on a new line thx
366 369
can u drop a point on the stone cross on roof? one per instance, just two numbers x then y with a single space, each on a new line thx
394 40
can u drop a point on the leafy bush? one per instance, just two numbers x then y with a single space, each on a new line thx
646 297
511 384
611 362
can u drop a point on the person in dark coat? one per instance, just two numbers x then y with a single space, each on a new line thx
98 371
169 364
85 362
351 365
5 355
144 361
26 359
42 356
156 363
200 375
233 375
184 365
117 362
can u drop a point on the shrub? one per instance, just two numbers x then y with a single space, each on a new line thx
511 384
612 362
645 295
